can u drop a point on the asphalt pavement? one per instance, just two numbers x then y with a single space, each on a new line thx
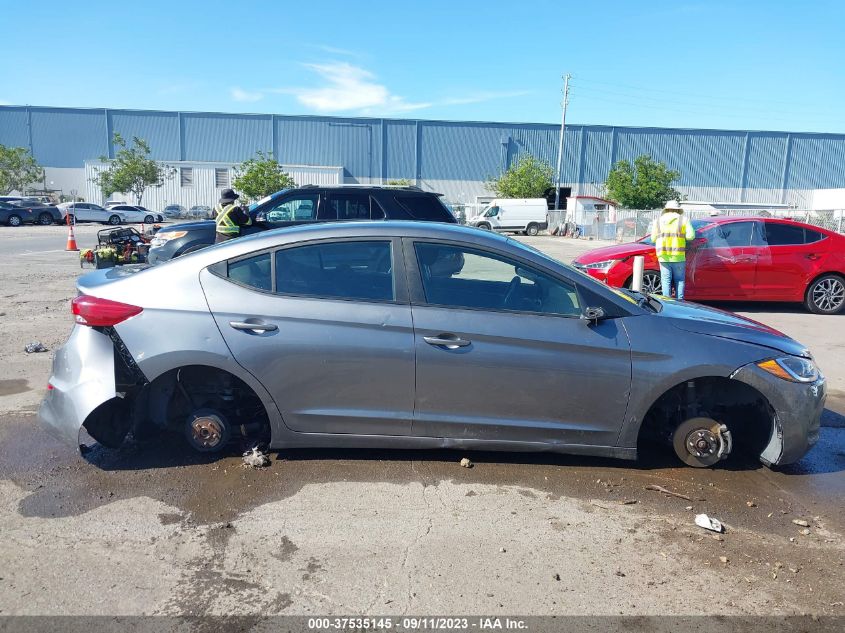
155 529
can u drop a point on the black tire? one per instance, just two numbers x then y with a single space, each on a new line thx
484 226
114 220
149 219
532 229
45 219
826 295
14 220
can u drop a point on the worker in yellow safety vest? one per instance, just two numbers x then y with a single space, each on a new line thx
229 217
670 233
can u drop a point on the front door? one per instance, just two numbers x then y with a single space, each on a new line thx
723 266
503 354
326 327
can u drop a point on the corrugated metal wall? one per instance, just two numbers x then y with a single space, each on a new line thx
735 166
203 191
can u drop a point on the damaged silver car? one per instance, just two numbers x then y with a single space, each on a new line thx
412 335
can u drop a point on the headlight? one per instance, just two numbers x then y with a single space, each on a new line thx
603 266
162 237
791 368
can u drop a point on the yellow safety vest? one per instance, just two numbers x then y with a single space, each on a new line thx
670 234
225 224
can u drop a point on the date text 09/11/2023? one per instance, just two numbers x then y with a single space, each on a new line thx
427 623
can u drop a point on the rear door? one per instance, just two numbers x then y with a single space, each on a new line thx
326 327
789 257
503 353
724 266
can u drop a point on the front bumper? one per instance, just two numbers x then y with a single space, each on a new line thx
798 409
82 380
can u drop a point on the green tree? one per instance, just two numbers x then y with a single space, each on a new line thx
131 170
647 184
18 169
528 177
261 176
399 182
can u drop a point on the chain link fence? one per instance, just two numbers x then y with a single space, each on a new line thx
630 224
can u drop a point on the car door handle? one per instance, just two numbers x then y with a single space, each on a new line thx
812 256
255 327
446 340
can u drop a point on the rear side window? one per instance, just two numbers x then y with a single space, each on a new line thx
425 208
343 270
783 234
254 272
355 206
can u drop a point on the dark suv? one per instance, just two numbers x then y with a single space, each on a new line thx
306 204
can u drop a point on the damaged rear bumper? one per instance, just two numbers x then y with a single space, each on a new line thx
83 379
797 408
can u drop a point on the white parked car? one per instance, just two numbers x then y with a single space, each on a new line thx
114 203
134 213
89 212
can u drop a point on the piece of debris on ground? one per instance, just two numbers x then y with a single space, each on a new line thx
666 491
709 523
801 522
35 347
256 458
466 463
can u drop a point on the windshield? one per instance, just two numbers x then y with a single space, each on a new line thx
696 224
258 203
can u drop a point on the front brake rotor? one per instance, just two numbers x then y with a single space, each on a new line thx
702 442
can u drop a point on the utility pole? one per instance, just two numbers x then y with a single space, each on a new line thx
565 103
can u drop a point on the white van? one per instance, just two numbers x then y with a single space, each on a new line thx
515 215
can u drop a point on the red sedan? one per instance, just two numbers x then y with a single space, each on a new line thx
741 259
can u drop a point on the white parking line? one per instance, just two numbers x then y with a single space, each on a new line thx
60 250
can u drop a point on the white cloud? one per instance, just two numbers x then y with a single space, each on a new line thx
244 96
349 88
338 51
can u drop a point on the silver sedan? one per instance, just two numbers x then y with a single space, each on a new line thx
420 335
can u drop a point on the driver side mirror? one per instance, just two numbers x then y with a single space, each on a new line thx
593 314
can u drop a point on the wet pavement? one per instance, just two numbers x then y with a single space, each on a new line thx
211 488
537 499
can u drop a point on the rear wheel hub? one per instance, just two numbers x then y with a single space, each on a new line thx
207 431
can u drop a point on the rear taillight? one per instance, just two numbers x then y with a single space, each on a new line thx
98 312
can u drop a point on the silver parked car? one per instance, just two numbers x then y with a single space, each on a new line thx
420 335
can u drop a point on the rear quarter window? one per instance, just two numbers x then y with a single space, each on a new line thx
425 208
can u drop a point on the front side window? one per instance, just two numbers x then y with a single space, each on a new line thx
731 235
344 270
302 208
460 277
253 271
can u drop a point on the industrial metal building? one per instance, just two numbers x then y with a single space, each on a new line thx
452 157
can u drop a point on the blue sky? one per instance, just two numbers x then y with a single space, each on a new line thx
773 65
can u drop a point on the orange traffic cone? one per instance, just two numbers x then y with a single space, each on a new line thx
71 238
